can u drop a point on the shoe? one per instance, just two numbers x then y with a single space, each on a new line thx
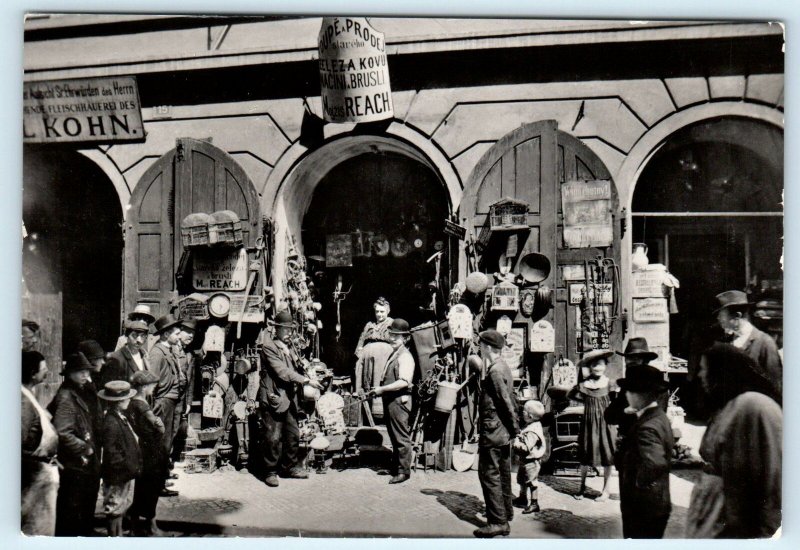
492 530
295 473
521 501
271 480
531 508
169 484
172 475
384 472
400 478
165 492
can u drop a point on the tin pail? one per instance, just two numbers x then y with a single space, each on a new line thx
446 396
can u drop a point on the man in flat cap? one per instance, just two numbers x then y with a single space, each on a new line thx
130 358
497 413
733 316
395 390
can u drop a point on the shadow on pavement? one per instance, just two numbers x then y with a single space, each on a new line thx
567 524
465 507
570 486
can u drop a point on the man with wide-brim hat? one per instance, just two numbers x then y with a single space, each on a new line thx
637 352
395 391
94 353
186 367
498 427
282 378
75 411
167 394
733 316
644 456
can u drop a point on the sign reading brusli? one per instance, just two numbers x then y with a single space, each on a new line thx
353 72
82 110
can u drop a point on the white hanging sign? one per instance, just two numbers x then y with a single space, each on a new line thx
353 71
543 337
460 320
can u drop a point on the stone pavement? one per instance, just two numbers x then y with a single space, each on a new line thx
359 503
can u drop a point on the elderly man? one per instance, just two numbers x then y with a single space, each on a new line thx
395 389
282 379
377 331
733 316
167 394
497 411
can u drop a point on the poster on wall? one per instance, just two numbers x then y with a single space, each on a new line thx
587 213
353 71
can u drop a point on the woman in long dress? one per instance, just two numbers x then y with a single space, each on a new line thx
596 440
739 493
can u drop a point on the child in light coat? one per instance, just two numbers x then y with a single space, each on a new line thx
530 444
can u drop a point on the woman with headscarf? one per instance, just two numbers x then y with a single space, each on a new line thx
39 446
739 493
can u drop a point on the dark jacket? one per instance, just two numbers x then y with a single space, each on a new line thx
761 347
121 366
497 410
164 365
280 376
122 459
74 412
643 461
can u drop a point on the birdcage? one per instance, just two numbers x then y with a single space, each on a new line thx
194 229
201 461
508 214
224 228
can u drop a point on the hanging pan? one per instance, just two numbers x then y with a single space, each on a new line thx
534 268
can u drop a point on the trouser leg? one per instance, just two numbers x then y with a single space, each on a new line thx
165 409
181 433
489 461
75 503
272 443
400 435
504 467
291 439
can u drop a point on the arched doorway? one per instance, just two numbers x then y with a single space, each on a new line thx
390 209
708 205
72 254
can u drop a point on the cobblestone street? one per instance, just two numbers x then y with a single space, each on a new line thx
358 503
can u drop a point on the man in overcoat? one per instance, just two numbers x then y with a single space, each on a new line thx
498 427
75 412
281 381
643 458
130 358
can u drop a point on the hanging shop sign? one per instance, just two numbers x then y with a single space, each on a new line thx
98 110
605 293
455 230
647 284
220 270
514 350
252 313
587 213
353 71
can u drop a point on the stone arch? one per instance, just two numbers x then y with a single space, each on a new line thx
111 170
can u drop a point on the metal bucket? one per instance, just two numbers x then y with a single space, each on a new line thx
446 396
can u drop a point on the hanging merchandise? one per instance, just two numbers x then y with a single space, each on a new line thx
339 250
213 405
214 339
597 318
225 229
460 319
503 325
565 375
534 268
477 282
399 247
219 305
362 243
194 229
194 306
380 245
543 337
505 297
639 258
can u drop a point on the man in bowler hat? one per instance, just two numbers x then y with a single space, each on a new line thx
167 394
643 458
282 379
497 413
733 316
395 390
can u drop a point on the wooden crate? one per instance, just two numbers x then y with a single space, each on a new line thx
224 228
194 230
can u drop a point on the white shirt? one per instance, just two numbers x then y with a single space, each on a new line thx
137 358
405 366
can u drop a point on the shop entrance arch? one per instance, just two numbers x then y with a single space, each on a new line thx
368 211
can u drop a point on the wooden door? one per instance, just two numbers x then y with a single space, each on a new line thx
194 177
530 164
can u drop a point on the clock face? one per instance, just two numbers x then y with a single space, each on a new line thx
219 305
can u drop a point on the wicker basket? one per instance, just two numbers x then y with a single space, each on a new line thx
225 229
194 230
209 434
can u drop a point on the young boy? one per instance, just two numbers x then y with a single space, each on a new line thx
531 446
122 459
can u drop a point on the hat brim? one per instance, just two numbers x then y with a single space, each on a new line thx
167 327
648 355
734 307
285 325
592 356
105 397
146 317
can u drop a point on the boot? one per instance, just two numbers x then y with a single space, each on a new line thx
115 526
151 529
522 500
532 507
491 530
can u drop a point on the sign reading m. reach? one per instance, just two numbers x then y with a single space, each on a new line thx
103 110
353 72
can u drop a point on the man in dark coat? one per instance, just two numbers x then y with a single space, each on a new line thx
167 394
131 358
733 316
643 459
74 415
281 380
498 426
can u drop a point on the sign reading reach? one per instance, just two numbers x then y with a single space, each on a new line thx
213 270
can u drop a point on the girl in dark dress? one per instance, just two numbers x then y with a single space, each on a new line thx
596 442
150 430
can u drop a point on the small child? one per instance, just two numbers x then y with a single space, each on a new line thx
531 446
122 459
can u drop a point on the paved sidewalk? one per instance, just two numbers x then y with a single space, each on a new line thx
360 503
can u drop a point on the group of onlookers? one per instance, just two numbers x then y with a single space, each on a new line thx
119 418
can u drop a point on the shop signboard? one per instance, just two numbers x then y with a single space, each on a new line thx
587 213
514 349
83 110
253 313
647 284
605 293
219 270
573 273
353 71
455 230
650 310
